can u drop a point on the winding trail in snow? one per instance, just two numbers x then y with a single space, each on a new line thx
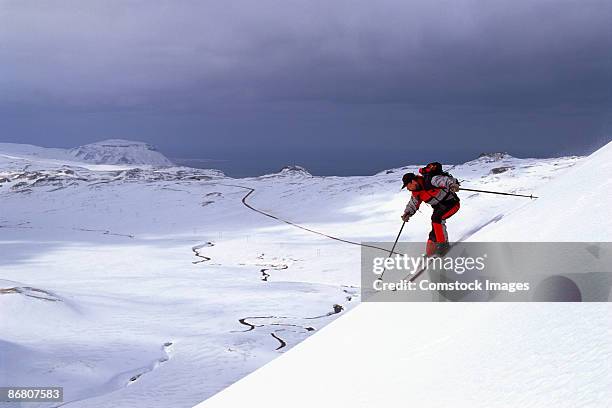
251 326
264 272
249 206
282 342
196 252
336 308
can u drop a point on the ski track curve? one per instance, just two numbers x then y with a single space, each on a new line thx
282 342
274 333
264 271
196 252
293 224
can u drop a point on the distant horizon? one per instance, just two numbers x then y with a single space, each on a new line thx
240 164
238 168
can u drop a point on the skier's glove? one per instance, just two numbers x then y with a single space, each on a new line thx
454 188
405 217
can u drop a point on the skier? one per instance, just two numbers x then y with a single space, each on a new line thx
438 189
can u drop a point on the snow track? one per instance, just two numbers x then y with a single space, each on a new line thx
286 321
249 206
196 251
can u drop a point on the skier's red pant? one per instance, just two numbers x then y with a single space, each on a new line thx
438 228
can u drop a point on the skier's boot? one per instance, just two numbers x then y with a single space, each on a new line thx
442 248
430 248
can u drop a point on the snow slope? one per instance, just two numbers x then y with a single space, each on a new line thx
575 207
34 152
462 354
134 285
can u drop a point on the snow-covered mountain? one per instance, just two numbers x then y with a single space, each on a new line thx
117 151
145 286
107 152
466 354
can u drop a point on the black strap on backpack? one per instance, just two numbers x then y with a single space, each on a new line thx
430 171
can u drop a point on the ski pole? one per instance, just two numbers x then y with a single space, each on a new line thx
497 192
393 249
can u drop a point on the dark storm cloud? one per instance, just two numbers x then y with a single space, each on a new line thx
268 69
177 54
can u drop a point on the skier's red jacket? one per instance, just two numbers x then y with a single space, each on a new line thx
438 193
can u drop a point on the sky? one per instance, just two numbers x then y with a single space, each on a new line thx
340 87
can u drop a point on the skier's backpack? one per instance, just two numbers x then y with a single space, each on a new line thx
430 171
